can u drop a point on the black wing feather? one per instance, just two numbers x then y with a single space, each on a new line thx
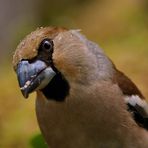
129 88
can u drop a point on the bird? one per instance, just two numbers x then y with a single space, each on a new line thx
83 100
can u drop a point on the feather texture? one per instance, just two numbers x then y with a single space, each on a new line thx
87 102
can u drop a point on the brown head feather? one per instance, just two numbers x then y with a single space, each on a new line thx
27 49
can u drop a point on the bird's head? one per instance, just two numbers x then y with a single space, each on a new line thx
50 59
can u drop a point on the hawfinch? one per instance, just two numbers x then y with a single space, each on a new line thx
83 100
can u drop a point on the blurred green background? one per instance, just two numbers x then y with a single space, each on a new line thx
120 28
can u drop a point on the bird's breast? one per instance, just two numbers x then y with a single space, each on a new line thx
74 122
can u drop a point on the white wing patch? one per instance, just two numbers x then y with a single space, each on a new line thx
139 104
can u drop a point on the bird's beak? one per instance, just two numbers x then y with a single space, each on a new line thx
33 76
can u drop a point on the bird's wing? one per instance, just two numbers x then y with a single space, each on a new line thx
134 99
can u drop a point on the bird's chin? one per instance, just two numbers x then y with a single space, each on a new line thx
33 76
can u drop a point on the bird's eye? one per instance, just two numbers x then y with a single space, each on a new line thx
46 44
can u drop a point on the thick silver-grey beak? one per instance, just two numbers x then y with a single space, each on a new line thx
33 76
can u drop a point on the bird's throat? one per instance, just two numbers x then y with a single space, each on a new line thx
57 89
